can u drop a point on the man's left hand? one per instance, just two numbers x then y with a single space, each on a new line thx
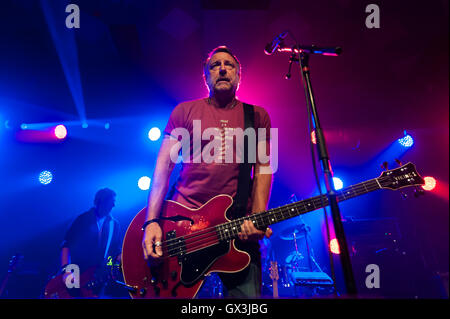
250 233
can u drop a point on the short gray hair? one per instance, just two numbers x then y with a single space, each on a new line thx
221 48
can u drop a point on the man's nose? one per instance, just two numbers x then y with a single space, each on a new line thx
222 70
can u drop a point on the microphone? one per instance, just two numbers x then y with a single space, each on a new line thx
312 49
271 47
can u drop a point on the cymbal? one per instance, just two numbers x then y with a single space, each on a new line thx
292 233
293 257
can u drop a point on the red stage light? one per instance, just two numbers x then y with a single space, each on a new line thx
334 246
430 183
60 132
313 137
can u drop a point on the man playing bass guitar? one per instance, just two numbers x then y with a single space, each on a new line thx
208 172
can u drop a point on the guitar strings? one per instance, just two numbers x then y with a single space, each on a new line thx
212 235
259 217
214 238
209 238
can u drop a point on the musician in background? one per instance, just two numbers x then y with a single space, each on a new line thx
199 181
267 256
94 235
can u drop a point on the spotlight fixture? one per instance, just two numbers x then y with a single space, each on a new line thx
406 140
45 177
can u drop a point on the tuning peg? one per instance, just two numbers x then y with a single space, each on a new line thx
418 191
384 166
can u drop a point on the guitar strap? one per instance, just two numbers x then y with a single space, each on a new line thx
110 234
245 181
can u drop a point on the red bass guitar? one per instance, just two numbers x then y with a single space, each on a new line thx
92 281
199 241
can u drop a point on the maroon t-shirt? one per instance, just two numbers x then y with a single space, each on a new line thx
211 165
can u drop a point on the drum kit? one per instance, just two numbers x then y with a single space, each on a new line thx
294 263
298 274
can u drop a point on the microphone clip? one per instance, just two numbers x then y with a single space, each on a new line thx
292 58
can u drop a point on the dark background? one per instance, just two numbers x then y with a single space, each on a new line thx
131 62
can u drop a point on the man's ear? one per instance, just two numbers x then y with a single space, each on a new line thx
205 81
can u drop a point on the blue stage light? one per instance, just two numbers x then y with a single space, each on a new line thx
406 141
154 134
144 183
45 177
338 184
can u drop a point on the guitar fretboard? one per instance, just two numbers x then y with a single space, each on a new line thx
262 220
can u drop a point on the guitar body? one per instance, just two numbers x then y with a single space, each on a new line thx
199 241
13 262
197 245
56 288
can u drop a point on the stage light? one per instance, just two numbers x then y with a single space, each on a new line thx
45 177
60 132
144 183
334 246
313 137
338 184
430 183
406 141
107 126
154 134
84 125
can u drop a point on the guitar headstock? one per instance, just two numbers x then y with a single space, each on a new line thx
274 270
403 176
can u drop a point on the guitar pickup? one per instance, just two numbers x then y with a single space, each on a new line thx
171 234
178 245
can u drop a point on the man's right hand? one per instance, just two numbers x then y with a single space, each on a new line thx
160 184
152 235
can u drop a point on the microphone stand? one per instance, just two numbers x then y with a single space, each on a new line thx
326 166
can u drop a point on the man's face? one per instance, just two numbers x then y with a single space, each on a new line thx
105 206
223 73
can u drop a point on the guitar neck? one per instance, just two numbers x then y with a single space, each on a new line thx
272 216
275 288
